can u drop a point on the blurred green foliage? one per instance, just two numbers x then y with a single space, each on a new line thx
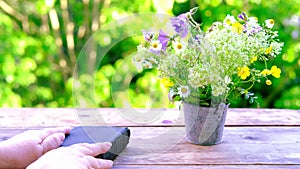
41 40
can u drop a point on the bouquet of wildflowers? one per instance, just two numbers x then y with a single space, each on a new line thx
197 65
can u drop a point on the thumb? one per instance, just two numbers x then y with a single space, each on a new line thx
52 142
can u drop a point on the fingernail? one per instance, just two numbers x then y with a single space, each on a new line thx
61 136
107 144
68 128
109 162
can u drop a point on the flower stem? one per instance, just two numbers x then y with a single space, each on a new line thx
193 22
266 65
253 82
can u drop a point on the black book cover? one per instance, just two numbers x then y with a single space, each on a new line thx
118 136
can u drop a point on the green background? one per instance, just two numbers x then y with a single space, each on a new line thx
40 41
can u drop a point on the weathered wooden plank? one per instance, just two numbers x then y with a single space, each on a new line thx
261 145
241 146
29 117
237 135
270 145
206 166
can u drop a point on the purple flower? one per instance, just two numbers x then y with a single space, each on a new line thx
256 29
148 35
198 39
250 30
163 39
167 122
181 25
242 16
295 34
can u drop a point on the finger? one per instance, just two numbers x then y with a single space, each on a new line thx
99 163
93 149
53 141
65 130
43 134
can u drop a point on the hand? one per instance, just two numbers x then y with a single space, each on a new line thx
23 149
77 156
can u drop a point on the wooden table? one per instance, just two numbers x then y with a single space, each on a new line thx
253 138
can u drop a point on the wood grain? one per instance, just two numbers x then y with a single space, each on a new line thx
253 138
31 117
241 146
255 166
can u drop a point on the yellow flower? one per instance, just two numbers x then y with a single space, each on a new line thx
268 82
167 82
266 72
268 50
253 59
244 72
237 27
275 71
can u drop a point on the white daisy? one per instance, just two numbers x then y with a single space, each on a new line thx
178 46
270 23
252 20
155 46
229 20
184 91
